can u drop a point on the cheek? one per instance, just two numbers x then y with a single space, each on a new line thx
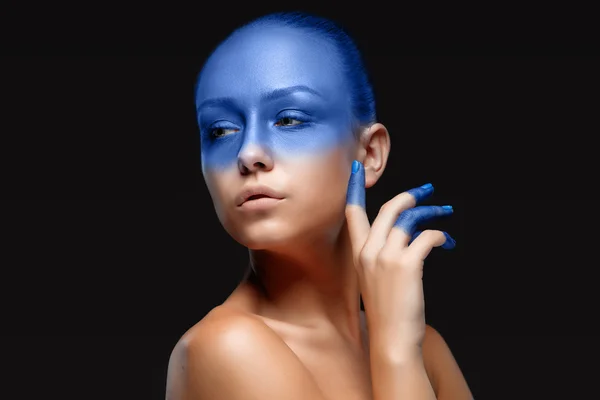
217 182
323 180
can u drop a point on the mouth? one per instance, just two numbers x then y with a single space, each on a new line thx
258 193
257 196
259 203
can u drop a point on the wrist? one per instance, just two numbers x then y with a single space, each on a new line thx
395 345
397 354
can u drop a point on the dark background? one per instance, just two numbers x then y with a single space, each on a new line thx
114 249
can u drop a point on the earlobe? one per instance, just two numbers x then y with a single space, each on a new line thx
375 145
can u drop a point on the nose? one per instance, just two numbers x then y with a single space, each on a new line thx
254 157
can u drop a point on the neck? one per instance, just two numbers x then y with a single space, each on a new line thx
313 284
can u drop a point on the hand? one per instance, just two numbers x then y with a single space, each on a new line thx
389 258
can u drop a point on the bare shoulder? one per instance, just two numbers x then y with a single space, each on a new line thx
233 355
443 371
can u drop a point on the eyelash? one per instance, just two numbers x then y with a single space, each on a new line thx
211 130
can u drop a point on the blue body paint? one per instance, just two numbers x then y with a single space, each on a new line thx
356 186
422 192
292 84
408 219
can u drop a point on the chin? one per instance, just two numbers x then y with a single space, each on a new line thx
284 236
262 234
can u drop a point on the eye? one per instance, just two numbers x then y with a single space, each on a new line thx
218 132
288 121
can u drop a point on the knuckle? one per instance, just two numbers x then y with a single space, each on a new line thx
387 257
406 217
385 206
392 258
409 213
400 202
407 198
431 235
367 256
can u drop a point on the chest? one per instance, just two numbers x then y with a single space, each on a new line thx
341 373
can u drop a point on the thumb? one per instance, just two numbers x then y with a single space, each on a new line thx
356 214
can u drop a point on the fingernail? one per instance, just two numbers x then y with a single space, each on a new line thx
448 208
449 243
355 166
427 186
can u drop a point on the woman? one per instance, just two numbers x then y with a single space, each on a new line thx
289 142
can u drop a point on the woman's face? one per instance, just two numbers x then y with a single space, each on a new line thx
273 110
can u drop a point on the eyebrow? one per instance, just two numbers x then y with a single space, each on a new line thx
275 94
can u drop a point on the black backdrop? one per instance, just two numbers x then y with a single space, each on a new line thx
117 249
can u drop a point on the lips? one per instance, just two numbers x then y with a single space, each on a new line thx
257 192
257 196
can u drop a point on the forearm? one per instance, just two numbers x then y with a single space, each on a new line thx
397 378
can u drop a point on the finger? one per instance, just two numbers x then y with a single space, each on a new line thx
388 214
406 224
414 236
426 241
356 214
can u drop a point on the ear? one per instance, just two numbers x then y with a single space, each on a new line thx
373 152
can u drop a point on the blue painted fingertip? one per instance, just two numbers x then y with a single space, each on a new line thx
449 208
356 185
410 218
449 243
422 192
